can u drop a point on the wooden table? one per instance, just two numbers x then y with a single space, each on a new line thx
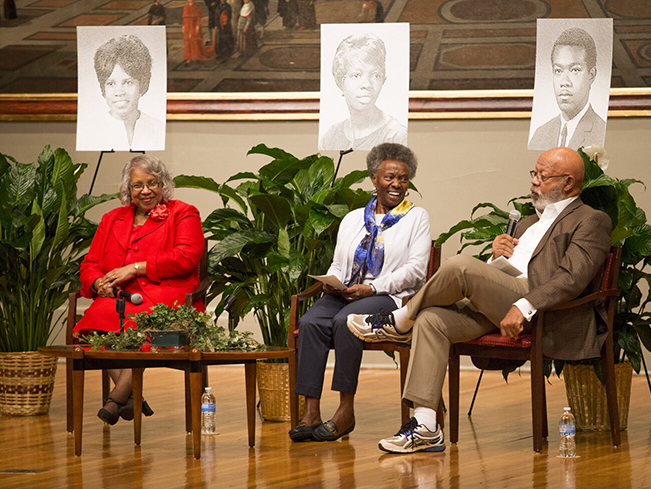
191 362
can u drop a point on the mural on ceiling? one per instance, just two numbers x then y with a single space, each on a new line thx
273 46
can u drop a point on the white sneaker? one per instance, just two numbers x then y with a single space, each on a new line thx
414 437
380 326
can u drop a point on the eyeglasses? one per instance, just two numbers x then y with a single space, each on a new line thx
544 178
153 185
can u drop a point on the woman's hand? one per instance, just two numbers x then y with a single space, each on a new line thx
329 289
104 286
356 292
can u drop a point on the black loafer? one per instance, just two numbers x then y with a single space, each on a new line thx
303 432
328 431
126 411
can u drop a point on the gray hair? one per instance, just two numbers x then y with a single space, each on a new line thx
151 165
391 151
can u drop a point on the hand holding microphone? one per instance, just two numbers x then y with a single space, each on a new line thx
504 244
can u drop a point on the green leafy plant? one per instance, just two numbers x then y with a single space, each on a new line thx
43 236
202 332
632 324
275 227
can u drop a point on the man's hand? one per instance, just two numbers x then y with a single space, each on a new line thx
511 325
503 245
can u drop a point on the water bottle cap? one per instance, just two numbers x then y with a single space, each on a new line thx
209 389
567 409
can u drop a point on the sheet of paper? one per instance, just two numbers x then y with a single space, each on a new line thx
503 264
331 280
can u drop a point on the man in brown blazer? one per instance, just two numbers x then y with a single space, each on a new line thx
561 250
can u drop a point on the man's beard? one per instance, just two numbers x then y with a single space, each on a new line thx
541 201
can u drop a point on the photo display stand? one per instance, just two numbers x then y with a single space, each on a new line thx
99 162
341 155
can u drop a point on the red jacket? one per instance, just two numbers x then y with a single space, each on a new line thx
171 247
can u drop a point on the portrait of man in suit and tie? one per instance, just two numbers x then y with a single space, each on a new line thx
574 69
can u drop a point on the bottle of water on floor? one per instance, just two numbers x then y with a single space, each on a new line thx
566 430
208 412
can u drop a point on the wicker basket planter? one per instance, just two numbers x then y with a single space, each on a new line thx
587 396
273 386
26 383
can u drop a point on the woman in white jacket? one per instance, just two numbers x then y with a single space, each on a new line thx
381 255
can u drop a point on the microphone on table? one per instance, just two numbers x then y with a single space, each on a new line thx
514 217
135 299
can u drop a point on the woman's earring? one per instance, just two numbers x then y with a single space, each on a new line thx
374 191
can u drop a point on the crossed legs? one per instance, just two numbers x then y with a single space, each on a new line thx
464 300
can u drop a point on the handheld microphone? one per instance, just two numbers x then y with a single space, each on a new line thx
514 217
135 299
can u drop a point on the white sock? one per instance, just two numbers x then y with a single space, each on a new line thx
426 416
401 317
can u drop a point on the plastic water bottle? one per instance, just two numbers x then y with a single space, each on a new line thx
208 412
566 430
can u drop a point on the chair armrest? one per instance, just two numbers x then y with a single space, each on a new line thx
406 299
201 288
588 298
311 292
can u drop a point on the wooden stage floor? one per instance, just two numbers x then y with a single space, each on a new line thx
495 448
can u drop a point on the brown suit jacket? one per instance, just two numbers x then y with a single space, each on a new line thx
567 263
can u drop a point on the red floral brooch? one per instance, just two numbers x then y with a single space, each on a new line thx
159 213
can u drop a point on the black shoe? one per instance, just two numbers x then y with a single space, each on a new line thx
107 416
328 431
126 411
303 432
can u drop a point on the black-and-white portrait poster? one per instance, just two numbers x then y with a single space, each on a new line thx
364 85
122 88
573 67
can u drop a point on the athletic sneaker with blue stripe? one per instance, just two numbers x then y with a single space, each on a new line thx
414 437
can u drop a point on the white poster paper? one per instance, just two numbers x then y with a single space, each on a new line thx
364 85
573 68
122 73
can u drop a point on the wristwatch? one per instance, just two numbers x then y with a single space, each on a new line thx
137 267
374 289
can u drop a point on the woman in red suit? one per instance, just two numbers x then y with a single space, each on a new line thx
151 246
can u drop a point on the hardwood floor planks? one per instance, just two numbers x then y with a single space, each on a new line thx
494 449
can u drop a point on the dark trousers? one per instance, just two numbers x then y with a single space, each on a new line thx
324 327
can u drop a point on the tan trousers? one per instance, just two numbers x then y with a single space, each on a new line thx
465 299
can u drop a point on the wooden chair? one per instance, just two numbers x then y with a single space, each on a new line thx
190 299
403 350
529 347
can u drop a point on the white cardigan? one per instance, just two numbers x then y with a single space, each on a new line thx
407 247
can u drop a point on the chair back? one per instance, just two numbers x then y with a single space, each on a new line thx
434 260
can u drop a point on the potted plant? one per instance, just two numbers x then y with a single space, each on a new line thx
632 323
276 227
43 236
173 328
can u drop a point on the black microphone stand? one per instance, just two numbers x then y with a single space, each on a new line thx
120 308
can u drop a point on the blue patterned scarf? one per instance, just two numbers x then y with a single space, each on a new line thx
369 255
